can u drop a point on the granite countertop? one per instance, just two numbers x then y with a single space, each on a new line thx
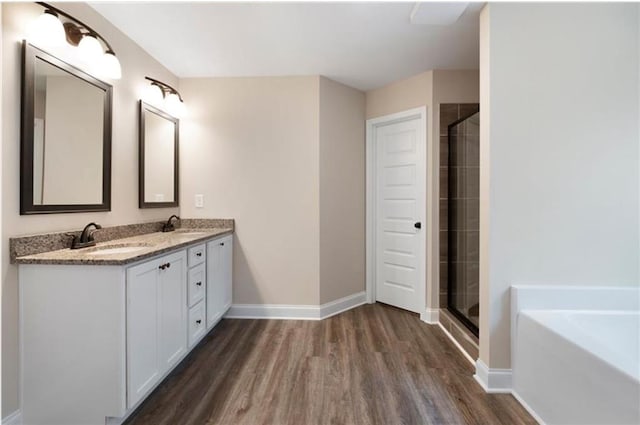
132 249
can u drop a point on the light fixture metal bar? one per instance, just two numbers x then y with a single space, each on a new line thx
87 27
163 85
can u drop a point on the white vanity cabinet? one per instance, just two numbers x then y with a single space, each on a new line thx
156 321
219 278
97 339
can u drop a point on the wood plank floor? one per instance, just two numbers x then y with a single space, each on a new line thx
371 365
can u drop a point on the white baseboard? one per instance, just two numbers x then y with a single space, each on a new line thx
430 316
14 418
527 408
498 381
456 343
343 304
273 311
493 381
295 312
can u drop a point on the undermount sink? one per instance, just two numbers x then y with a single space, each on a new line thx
117 249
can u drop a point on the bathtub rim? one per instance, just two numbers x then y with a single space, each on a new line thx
531 314
527 296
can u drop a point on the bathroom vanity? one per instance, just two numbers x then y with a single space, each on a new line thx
101 327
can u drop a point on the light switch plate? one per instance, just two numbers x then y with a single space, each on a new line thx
199 201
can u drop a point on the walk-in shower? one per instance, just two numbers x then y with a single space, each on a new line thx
463 211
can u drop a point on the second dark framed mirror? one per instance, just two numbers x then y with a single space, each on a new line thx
158 158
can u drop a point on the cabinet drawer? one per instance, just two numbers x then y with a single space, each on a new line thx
197 325
197 283
196 255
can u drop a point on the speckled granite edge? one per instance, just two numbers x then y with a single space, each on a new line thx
36 244
206 223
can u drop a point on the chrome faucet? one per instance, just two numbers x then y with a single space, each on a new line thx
168 226
86 237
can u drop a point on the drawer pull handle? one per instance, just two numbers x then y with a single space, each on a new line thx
221 243
198 254
198 283
198 321
164 266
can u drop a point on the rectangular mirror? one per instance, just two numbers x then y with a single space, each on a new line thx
66 137
158 185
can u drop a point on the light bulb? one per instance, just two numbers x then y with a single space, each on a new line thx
47 30
110 66
173 105
154 95
90 49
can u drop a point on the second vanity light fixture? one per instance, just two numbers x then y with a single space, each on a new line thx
48 30
164 96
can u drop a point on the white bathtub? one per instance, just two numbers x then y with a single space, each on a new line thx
579 367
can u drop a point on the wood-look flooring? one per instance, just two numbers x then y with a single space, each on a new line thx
371 365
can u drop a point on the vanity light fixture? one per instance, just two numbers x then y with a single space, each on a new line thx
49 30
165 97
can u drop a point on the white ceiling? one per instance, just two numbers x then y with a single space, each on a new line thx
363 45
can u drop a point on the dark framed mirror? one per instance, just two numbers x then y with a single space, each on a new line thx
159 142
65 152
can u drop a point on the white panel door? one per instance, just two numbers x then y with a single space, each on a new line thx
143 332
400 194
172 281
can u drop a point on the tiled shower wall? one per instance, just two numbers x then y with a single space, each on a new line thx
449 113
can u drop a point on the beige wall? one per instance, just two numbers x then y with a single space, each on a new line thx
250 146
135 65
283 156
559 153
485 183
400 96
342 191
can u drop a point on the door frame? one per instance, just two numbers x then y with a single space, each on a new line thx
372 124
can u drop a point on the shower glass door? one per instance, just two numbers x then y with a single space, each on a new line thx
464 224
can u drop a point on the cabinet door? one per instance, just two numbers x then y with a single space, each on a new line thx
227 274
172 281
215 282
143 333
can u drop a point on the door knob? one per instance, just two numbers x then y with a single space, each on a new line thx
417 225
